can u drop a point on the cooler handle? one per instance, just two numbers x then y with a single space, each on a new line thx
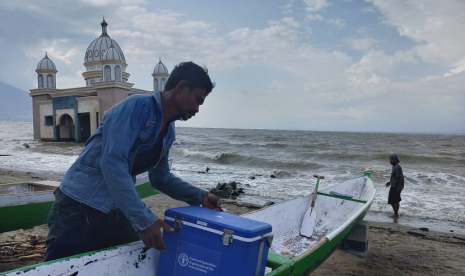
227 236
269 238
177 223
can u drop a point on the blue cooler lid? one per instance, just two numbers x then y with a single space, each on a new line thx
216 220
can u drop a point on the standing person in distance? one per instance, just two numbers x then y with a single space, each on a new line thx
397 184
97 205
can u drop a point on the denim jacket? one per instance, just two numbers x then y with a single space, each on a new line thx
100 177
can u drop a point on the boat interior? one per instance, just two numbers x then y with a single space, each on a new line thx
28 187
332 211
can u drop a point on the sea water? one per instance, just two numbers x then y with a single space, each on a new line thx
276 165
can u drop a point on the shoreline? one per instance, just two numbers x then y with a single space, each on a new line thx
433 225
395 251
417 231
14 175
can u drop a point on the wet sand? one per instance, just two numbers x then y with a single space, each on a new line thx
393 249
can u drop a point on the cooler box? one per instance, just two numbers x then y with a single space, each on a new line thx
212 243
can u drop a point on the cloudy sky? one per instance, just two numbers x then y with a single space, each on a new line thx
374 65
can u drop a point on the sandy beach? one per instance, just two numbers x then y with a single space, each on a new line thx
393 249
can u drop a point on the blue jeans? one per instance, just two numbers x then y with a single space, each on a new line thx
76 228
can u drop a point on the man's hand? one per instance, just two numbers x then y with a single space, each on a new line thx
212 202
388 184
151 237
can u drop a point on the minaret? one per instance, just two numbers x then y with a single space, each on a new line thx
160 75
46 74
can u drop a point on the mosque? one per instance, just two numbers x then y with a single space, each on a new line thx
74 114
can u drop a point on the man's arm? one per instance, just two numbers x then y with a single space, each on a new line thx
400 187
162 179
121 128
400 176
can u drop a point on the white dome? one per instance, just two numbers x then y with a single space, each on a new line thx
46 63
111 54
160 68
100 45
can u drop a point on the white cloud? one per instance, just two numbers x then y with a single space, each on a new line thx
60 49
315 17
288 8
358 113
457 68
437 26
338 22
361 43
316 5
378 64
291 22
277 46
106 3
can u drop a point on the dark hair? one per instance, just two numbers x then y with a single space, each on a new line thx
196 77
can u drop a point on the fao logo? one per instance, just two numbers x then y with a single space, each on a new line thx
183 259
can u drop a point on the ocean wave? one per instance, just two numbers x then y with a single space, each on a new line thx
254 161
212 155
259 144
442 157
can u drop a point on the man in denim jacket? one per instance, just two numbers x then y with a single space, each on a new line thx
97 205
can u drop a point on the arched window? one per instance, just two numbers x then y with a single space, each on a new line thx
50 81
107 74
118 73
155 84
163 83
40 79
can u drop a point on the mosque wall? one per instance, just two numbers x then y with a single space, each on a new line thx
90 105
46 120
36 112
111 96
59 115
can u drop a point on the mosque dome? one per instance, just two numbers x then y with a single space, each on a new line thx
46 64
112 54
160 68
98 48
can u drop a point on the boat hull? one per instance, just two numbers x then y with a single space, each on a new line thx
26 210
